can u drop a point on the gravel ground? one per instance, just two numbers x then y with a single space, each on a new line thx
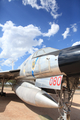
12 108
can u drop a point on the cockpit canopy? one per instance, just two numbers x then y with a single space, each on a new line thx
44 51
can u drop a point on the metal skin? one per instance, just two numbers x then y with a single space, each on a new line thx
57 62
41 67
34 95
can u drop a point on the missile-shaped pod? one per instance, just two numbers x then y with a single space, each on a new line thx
34 95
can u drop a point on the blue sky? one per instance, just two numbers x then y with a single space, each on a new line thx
29 25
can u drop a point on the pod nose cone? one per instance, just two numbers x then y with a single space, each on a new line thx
45 100
69 60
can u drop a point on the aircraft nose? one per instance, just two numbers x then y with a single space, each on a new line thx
69 60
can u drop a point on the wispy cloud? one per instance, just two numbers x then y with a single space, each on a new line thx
49 5
53 30
9 0
66 33
74 27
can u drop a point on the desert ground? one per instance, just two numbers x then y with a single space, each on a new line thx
12 108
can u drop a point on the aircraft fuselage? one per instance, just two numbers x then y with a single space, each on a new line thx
59 62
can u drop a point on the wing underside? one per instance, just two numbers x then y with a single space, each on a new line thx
7 75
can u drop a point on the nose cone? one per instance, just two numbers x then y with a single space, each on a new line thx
44 100
69 60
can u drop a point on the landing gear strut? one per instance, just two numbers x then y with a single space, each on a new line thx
2 93
65 96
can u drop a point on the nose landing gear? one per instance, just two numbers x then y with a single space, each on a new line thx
65 97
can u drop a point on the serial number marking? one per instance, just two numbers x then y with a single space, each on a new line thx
55 81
